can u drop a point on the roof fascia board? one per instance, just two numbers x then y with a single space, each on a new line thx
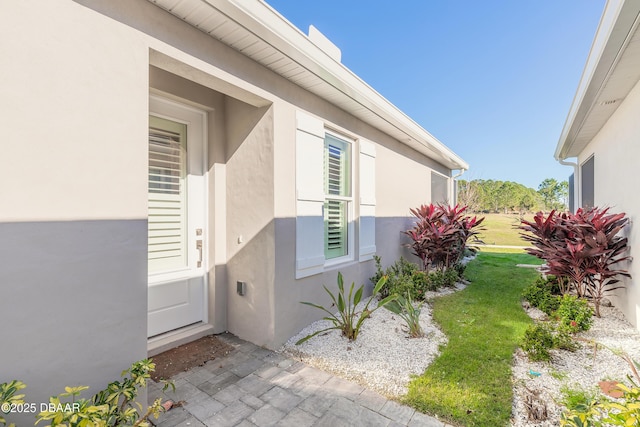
266 23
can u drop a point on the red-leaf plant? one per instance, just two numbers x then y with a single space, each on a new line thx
584 247
440 234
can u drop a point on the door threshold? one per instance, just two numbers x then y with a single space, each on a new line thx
172 339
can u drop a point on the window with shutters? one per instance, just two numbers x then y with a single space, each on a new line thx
338 197
167 195
335 197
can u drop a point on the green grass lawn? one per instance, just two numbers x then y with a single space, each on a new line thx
470 382
503 250
500 230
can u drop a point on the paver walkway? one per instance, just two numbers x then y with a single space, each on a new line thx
253 386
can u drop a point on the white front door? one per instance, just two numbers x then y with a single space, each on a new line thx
177 191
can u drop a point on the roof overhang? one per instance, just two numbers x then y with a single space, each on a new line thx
258 31
611 71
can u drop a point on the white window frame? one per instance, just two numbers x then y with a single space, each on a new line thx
310 240
350 255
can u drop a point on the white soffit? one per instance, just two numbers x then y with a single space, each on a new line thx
256 30
611 71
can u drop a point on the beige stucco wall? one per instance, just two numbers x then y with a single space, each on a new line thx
617 149
252 226
250 230
78 88
403 181
74 182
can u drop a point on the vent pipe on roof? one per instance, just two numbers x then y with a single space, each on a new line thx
324 43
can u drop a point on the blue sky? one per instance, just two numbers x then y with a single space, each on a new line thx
493 80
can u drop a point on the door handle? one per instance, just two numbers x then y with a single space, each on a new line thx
199 248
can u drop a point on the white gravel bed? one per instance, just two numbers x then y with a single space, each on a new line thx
382 358
582 369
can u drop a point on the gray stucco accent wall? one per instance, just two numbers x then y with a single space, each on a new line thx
73 304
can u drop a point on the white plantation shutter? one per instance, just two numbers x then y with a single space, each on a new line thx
309 195
337 188
367 220
335 219
167 195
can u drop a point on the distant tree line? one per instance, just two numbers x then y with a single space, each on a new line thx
506 196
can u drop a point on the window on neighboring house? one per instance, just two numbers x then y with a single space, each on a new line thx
572 206
337 190
587 173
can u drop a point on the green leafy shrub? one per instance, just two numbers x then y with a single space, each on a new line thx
542 294
405 308
460 268
541 337
403 277
620 412
586 248
422 282
627 412
9 397
451 277
574 313
348 320
399 277
537 341
114 406
577 398
443 278
563 340
582 416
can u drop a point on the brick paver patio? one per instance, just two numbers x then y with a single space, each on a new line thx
253 386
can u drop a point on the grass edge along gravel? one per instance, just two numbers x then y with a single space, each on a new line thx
470 382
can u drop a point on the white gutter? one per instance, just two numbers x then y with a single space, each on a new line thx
615 30
605 27
577 184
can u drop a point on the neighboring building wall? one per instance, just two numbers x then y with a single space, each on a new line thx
73 267
616 150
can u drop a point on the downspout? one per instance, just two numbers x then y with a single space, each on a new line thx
576 181
453 186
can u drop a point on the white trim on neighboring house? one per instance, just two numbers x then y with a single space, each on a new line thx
609 75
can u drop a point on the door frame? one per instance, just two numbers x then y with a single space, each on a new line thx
182 112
